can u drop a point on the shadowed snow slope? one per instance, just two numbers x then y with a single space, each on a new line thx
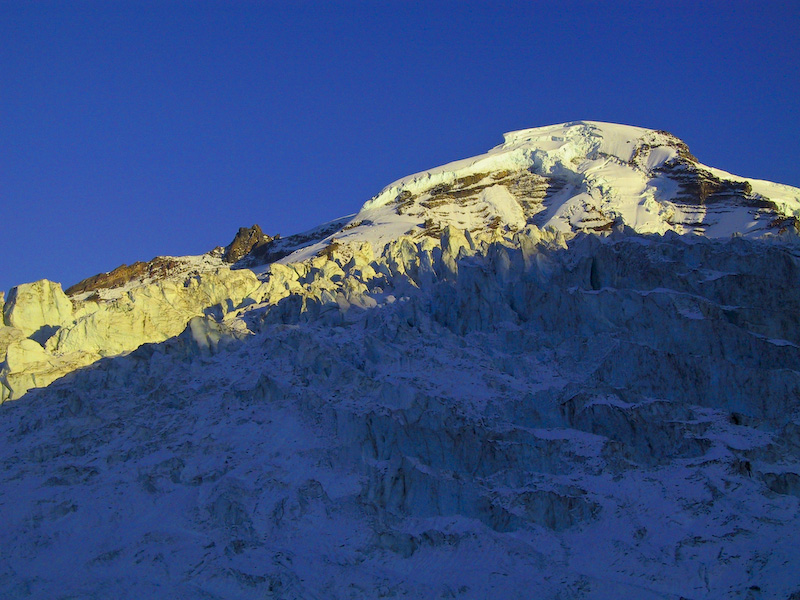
502 403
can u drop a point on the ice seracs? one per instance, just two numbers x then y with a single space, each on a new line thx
499 378
47 334
37 305
582 176
469 416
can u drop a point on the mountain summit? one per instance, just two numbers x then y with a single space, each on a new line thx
567 368
579 176
559 181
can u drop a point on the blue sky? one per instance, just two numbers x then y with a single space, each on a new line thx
130 130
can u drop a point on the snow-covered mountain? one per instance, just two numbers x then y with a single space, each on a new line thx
567 368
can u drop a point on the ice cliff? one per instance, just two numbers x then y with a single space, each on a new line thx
568 368
47 334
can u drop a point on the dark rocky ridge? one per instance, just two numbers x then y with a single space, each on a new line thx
157 268
245 241
652 140
697 186
700 187
279 247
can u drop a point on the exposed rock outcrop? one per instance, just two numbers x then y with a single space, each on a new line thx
158 268
246 240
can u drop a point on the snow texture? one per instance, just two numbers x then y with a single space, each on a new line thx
531 374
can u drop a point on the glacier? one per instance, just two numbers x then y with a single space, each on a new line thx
568 368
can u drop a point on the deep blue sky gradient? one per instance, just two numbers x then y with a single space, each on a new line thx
129 130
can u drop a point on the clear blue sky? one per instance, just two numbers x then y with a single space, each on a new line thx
129 130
